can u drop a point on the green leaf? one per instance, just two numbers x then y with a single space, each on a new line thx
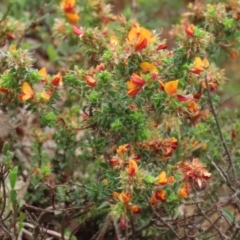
52 53
13 177
21 2
13 196
103 205
228 215
103 165
5 147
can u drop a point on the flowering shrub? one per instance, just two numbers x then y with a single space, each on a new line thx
121 128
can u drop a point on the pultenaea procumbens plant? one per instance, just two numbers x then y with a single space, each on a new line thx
134 114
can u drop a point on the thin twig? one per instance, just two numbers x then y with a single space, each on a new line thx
165 223
145 226
132 227
118 234
219 129
49 232
235 233
104 228
212 224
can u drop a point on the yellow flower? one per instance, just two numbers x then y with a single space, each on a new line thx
46 95
148 67
140 37
27 92
105 181
12 48
43 73
113 41
162 178
169 87
199 65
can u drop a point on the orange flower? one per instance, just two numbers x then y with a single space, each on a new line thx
138 80
169 146
161 195
153 200
189 29
72 17
27 92
212 86
204 146
90 81
135 84
43 73
69 9
162 178
135 209
46 95
148 67
12 48
199 65
57 80
122 149
140 37
193 107
183 192
68 5
196 143
170 179
169 87
132 168
165 147
115 195
122 197
133 88
194 171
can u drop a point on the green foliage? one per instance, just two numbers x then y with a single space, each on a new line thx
115 124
